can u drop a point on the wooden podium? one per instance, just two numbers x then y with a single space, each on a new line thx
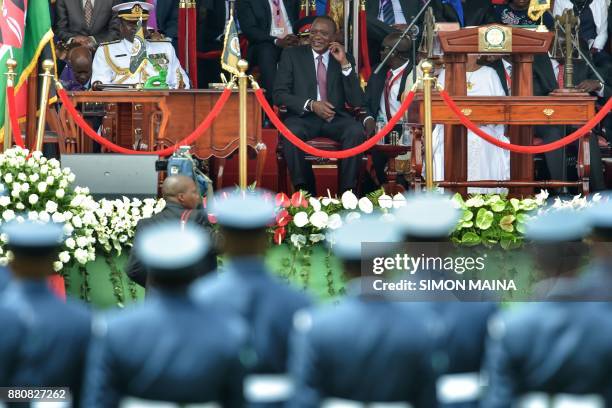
520 111
153 119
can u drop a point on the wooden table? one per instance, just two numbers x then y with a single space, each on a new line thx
161 118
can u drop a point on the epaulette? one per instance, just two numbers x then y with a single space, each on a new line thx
110 42
163 40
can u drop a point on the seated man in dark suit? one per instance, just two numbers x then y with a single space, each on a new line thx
183 204
212 17
166 20
315 83
268 25
384 17
86 22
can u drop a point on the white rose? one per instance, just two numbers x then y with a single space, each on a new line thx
76 201
298 240
70 243
37 155
20 206
68 215
4 201
25 187
16 187
15 193
123 239
63 184
64 256
385 201
8 215
44 169
8 178
365 205
33 178
60 193
54 163
349 200
33 199
81 256
68 229
56 172
71 177
51 206
315 203
76 221
32 216
82 241
300 219
399 200
44 216
42 187
57 266
58 217
22 177
314 238
319 219
334 222
50 180
66 171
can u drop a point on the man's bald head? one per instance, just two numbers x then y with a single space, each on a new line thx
182 190
401 53
81 61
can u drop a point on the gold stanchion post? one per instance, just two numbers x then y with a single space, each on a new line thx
11 64
428 80
242 147
47 66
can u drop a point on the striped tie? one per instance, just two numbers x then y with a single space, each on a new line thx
88 11
387 11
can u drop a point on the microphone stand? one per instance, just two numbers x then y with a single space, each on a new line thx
403 35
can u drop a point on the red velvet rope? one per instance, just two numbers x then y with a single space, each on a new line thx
199 131
527 149
337 154
12 108
366 69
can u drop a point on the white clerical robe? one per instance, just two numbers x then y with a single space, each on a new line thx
485 161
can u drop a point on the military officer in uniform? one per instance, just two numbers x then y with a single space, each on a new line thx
112 61
555 347
246 285
55 336
367 348
461 346
170 348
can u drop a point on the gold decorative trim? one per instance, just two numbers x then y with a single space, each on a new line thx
548 112
466 111
112 65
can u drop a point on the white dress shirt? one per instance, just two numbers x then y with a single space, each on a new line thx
394 104
599 8
555 65
284 16
93 3
397 12
315 55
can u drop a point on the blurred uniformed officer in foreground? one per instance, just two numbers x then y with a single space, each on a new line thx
4 273
133 59
426 222
245 283
56 334
183 202
596 283
169 348
367 348
560 347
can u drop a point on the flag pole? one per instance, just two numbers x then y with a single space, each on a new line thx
243 65
47 66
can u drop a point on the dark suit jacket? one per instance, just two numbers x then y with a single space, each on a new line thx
296 82
212 24
255 18
166 12
475 12
71 20
376 86
376 28
136 270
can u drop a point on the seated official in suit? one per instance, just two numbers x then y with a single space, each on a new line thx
268 25
383 95
384 17
182 201
315 83
86 22
113 62
465 12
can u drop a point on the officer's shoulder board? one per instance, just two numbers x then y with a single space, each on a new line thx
110 42
162 40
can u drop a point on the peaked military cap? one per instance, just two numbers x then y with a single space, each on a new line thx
133 10
557 226
427 216
243 210
34 238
